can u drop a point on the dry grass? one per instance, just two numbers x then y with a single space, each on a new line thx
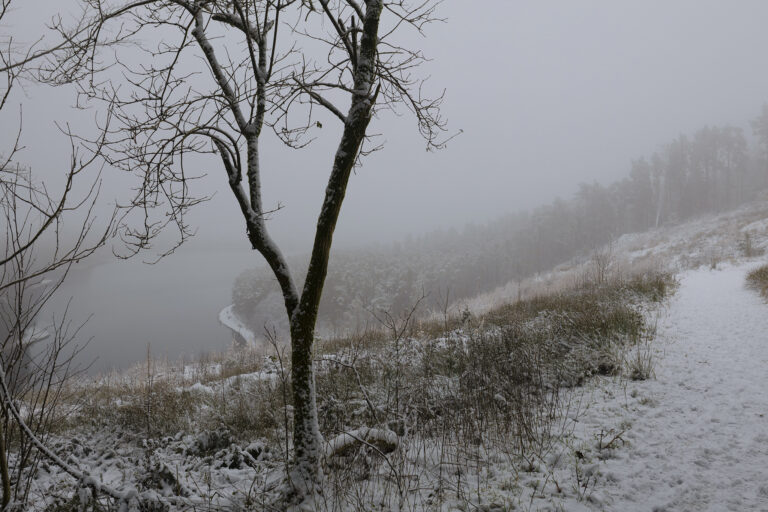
459 392
758 280
495 386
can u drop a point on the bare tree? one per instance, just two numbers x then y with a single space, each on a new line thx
140 59
37 255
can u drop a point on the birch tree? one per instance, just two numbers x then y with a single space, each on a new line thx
269 65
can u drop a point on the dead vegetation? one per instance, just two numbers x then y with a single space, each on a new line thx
757 279
415 416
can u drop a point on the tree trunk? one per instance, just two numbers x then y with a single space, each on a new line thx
4 473
306 472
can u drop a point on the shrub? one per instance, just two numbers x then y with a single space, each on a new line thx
502 378
757 279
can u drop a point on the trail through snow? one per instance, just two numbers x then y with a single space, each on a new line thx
699 439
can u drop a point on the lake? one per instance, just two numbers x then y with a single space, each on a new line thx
172 305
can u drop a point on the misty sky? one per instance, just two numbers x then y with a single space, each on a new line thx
547 94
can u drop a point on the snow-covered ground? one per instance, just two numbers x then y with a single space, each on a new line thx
703 241
692 438
697 435
228 318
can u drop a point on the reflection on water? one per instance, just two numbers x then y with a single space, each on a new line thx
173 305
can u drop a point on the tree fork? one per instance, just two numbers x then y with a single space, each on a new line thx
306 473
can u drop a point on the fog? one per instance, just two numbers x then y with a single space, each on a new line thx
541 96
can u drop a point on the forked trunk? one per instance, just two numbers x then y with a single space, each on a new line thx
306 473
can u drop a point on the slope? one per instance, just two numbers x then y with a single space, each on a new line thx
698 438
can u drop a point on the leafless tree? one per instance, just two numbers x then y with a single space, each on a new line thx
37 254
268 64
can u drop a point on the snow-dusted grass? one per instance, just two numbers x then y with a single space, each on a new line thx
691 438
705 241
558 400
157 399
427 419
708 241
758 280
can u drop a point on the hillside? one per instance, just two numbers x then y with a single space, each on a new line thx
557 393
693 438
446 269
706 241
383 255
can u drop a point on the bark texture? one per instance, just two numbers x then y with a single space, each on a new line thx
306 473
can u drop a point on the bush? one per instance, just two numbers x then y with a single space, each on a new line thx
502 378
757 279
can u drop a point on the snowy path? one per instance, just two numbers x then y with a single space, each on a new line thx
699 438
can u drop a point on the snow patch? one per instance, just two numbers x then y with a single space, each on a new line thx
228 318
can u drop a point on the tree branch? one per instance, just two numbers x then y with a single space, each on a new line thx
199 33
322 101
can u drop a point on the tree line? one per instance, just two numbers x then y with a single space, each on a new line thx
713 170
